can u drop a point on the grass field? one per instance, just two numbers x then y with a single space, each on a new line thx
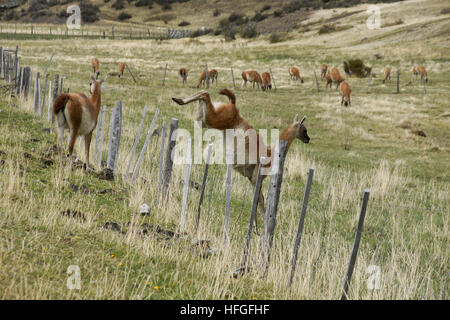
351 149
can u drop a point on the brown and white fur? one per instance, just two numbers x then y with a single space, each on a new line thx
182 72
387 74
253 77
96 67
267 81
344 90
420 70
335 77
224 116
78 113
121 69
323 71
212 77
294 73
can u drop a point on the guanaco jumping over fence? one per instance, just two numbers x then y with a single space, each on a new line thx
212 77
267 81
121 69
344 90
96 67
294 73
224 116
387 74
253 77
182 72
420 70
323 71
78 113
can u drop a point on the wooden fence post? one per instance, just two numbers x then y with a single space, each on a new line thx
37 90
398 81
351 264
48 64
272 204
186 184
369 82
164 78
61 86
8 61
144 147
202 191
232 76
273 79
169 161
115 131
16 64
49 117
26 81
136 141
161 161
300 226
1 61
55 92
226 238
44 92
100 148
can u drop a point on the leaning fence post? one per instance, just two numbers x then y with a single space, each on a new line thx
37 90
228 199
161 160
273 198
164 77
131 74
1 61
300 226
61 86
317 82
202 192
48 64
26 81
100 148
136 141
115 131
144 147
252 214
169 161
273 79
232 76
186 185
351 264
55 91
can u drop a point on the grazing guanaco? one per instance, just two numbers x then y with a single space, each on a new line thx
344 90
335 77
121 69
96 67
224 116
420 70
253 77
387 74
323 71
295 74
78 113
267 81
182 72
212 77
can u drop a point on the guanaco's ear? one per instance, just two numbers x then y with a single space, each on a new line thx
303 120
296 118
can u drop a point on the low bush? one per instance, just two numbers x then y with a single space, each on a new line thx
89 11
184 23
124 16
118 5
249 31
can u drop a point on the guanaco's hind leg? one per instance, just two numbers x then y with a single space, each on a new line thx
87 144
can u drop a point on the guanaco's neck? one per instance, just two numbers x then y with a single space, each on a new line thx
288 134
97 97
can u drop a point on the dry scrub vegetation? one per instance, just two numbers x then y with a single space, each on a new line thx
368 145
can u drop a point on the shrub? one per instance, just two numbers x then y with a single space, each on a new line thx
277 37
184 23
357 67
167 7
37 5
258 17
445 11
124 16
63 14
237 19
265 8
249 31
216 12
292 6
327 28
118 5
278 13
200 32
143 3
230 34
52 3
11 15
89 12
393 23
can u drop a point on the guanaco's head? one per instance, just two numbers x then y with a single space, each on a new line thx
202 95
95 84
301 131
